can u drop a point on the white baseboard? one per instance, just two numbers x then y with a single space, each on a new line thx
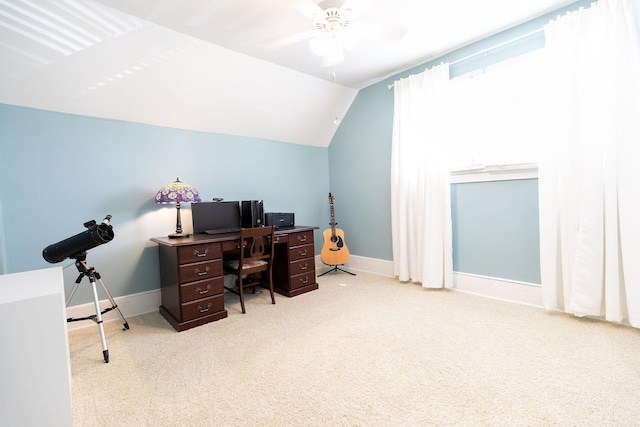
147 302
508 290
129 305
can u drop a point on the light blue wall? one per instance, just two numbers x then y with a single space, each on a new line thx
360 172
58 171
495 229
360 152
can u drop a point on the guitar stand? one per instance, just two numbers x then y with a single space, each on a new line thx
94 277
336 268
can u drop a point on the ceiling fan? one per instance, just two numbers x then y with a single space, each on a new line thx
337 28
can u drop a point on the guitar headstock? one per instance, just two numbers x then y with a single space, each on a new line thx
331 199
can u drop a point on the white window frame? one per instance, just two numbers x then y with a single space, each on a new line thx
485 173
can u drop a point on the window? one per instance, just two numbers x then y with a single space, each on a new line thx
496 111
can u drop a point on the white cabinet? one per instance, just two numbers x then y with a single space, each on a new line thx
35 369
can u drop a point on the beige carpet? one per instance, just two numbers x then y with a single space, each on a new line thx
361 351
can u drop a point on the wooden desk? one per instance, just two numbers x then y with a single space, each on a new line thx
192 278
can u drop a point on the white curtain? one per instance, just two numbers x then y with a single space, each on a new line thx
420 180
589 183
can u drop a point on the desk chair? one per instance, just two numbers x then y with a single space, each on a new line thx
253 265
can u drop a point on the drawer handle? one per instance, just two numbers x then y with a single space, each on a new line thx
204 310
198 254
303 266
304 280
302 238
303 253
202 292
202 273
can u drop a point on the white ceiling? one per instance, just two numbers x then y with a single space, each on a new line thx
224 66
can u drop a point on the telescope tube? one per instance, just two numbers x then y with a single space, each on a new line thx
81 242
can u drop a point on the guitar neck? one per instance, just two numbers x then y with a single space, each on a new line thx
333 222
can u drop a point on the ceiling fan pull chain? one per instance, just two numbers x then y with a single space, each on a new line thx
336 121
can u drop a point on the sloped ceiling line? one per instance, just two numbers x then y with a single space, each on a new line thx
73 56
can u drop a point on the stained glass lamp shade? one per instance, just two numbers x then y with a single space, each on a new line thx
177 192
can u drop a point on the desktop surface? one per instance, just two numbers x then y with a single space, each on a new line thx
211 238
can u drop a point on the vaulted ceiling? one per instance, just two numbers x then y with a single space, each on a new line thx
238 67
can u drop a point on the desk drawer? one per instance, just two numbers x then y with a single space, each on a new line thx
230 246
302 266
302 280
301 252
200 271
281 238
197 253
302 238
202 307
201 289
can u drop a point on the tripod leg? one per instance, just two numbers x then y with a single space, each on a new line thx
328 271
345 271
105 350
336 268
73 291
114 306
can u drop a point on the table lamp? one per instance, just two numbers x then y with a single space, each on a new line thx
177 192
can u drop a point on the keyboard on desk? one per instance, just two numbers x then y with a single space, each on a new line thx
222 230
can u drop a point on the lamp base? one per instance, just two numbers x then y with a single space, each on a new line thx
179 235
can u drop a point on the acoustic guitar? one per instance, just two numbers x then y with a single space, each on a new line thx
334 250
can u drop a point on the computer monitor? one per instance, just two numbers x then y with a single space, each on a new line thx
209 216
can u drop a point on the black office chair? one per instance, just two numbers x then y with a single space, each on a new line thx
253 264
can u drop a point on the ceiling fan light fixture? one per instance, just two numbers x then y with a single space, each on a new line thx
320 44
332 38
332 21
349 40
328 48
333 56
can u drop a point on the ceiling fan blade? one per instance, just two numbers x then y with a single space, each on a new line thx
307 8
371 31
291 39
358 7
234 15
205 14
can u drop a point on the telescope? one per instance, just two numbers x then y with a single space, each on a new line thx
74 247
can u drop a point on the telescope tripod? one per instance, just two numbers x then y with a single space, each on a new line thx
94 277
